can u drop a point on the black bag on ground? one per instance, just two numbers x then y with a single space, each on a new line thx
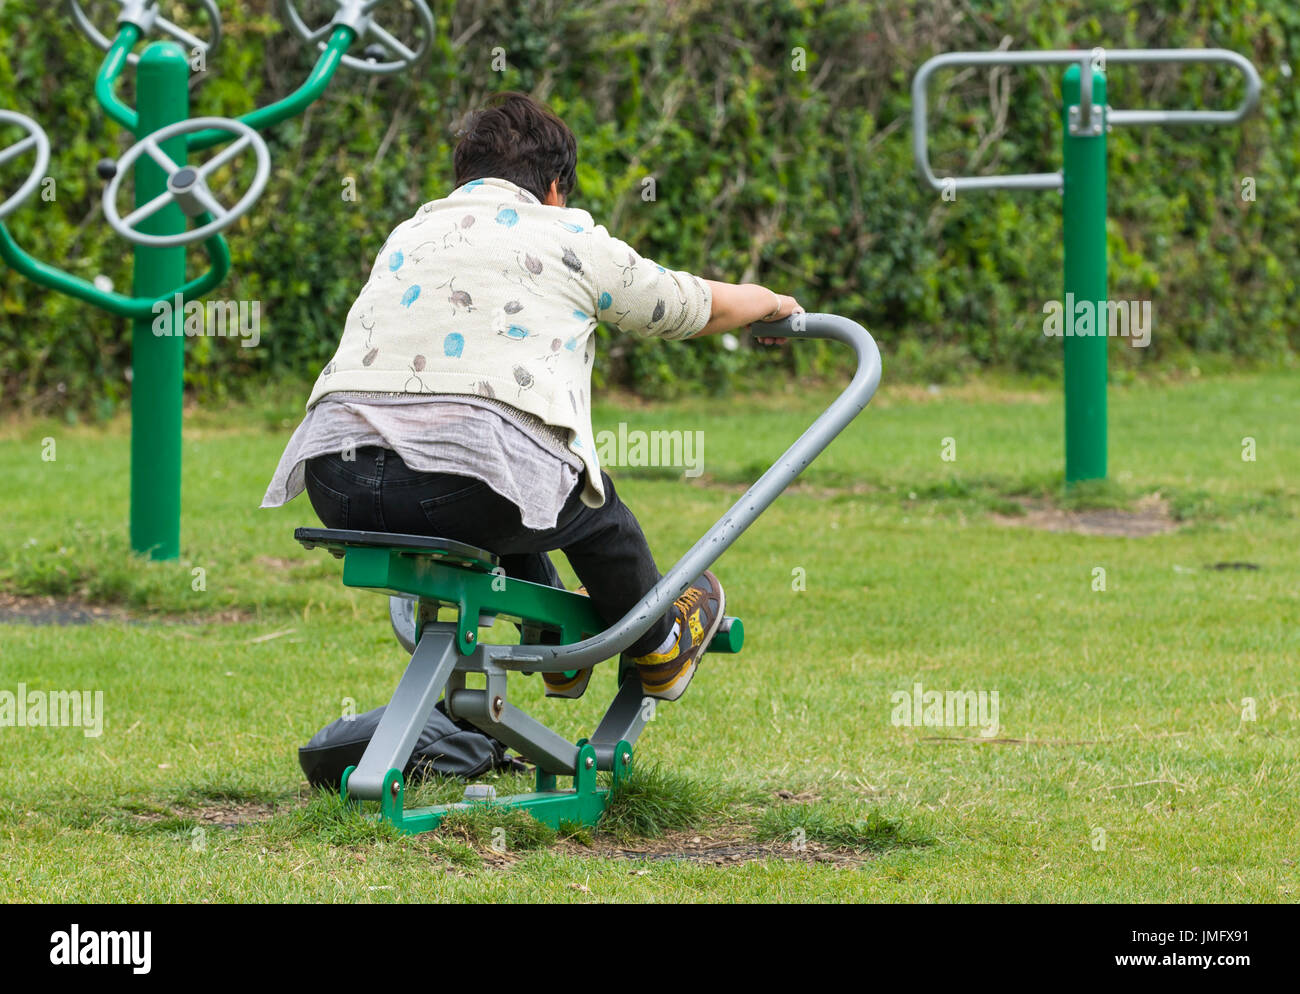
444 747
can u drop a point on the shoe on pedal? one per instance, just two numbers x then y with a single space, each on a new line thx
571 683
697 616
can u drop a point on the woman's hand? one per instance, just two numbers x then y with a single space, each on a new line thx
784 308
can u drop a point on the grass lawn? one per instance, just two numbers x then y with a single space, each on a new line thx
1147 736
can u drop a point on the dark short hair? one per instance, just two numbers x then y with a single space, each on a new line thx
516 138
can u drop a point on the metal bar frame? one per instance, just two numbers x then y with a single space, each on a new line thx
405 717
1118 56
438 665
742 514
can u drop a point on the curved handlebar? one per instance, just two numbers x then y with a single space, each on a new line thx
1052 181
756 500
358 17
35 141
1234 116
144 17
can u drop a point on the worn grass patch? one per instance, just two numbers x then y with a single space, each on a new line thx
835 827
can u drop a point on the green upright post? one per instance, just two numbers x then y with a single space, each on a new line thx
1084 180
158 361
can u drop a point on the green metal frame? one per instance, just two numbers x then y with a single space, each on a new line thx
583 804
476 591
158 361
117 304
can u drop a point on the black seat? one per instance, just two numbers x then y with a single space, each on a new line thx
339 540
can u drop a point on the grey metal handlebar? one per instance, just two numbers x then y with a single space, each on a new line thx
1144 55
359 16
187 185
144 15
1120 56
742 514
33 141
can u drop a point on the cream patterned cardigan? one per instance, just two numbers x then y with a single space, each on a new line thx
491 292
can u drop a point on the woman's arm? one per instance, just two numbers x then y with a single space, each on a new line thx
736 305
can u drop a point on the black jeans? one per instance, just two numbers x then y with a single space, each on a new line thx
377 491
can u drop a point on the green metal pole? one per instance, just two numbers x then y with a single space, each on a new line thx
1084 176
158 361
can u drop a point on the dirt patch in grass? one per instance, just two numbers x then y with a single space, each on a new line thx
56 611
802 796
731 846
229 814
22 609
1150 516
234 814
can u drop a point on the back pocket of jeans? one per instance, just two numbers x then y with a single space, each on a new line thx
330 505
458 506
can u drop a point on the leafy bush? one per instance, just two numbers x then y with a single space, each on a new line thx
802 180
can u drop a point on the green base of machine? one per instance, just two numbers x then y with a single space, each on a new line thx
584 804
425 575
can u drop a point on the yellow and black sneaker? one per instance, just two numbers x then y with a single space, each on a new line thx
698 612
572 683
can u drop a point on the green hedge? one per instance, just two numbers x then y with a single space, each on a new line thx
800 180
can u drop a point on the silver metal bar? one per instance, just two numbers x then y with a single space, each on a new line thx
1085 92
149 209
225 155
624 720
407 713
742 514
1140 56
526 735
1119 56
13 151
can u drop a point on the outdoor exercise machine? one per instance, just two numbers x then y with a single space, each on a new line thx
422 575
175 206
1085 119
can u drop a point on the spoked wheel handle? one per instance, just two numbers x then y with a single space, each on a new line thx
187 185
359 16
145 16
34 140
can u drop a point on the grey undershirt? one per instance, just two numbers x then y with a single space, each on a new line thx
519 456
